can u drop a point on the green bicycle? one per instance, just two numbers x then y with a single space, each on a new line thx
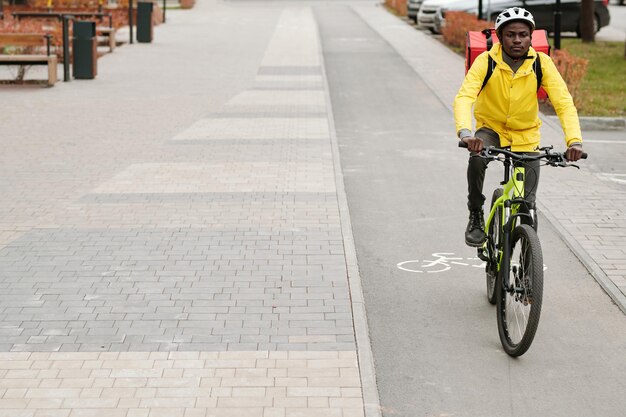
512 251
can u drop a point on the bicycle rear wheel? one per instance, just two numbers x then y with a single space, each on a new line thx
493 247
519 303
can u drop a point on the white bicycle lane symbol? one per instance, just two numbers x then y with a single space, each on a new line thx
442 262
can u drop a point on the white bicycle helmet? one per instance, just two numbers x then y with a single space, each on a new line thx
515 14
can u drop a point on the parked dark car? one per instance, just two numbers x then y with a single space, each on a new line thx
542 11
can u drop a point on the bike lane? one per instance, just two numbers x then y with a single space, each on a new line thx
434 335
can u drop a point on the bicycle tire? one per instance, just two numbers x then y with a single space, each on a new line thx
493 242
519 308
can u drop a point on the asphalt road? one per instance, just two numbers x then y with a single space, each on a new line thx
616 30
607 151
434 335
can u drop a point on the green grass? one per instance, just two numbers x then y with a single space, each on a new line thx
602 88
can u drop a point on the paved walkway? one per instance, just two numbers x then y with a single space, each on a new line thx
170 242
591 216
616 30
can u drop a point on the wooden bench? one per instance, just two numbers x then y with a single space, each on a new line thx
34 40
103 31
107 32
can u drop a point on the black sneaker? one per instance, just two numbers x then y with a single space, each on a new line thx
475 232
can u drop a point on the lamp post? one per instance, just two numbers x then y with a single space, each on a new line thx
130 19
66 48
557 25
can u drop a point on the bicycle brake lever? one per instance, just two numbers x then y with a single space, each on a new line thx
566 164
484 155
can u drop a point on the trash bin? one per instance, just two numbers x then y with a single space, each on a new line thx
144 21
84 50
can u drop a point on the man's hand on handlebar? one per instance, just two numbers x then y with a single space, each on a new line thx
574 152
474 144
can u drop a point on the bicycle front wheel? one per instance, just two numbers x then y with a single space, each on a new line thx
519 299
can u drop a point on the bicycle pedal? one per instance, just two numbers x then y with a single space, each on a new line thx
482 255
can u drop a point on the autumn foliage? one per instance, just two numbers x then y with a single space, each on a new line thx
398 6
458 24
573 70
65 4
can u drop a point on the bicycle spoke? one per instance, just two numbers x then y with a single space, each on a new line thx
519 327
519 317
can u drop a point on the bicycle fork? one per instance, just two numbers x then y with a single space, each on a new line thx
505 253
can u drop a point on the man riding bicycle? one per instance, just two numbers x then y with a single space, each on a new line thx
506 109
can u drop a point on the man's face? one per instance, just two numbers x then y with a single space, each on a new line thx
515 38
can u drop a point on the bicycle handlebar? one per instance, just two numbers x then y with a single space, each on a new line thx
553 157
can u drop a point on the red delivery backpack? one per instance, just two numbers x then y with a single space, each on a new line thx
479 42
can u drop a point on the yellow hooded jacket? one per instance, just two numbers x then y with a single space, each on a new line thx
508 103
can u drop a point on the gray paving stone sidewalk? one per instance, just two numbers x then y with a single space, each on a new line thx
591 217
170 238
173 239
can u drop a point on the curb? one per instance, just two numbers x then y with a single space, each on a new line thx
597 123
365 357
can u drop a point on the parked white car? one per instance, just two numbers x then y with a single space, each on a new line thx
413 7
490 8
426 14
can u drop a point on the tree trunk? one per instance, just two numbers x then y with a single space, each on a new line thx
587 18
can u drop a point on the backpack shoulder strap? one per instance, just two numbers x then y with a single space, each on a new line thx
538 71
491 64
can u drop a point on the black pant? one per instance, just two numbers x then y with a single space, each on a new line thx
476 173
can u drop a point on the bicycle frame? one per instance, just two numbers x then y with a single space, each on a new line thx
512 197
